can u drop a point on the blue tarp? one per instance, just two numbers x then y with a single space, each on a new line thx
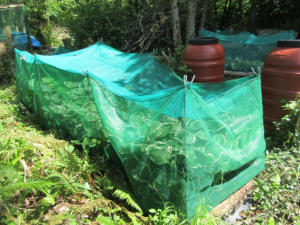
20 40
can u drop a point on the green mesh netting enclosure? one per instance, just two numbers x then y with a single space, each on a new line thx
13 33
188 144
245 51
60 50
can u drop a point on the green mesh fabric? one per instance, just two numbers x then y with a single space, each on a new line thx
188 144
13 20
60 50
245 51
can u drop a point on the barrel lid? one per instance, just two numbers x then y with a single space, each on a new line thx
289 43
203 41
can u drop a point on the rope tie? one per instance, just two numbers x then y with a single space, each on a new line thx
185 79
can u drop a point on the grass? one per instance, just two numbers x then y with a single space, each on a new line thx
46 180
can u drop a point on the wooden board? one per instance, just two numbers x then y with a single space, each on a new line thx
232 200
237 73
11 6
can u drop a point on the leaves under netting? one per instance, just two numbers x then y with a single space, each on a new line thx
175 142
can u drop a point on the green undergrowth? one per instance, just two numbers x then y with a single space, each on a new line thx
47 180
276 196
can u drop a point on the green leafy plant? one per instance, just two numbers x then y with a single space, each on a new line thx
202 216
167 215
125 196
50 34
286 133
242 64
276 187
173 60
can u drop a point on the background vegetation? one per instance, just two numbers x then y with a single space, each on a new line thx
151 25
46 180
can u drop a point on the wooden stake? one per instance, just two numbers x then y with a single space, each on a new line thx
8 34
298 121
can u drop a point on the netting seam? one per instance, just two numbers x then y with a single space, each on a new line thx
235 88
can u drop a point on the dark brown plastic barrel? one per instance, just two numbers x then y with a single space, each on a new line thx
206 59
280 79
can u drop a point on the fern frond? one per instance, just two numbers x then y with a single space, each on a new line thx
8 189
9 173
60 179
90 206
73 161
124 196
70 186
109 205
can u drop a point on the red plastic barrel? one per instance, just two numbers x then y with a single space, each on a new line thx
206 59
280 79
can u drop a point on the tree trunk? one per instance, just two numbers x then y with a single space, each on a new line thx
118 3
216 14
191 20
240 11
175 24
204 13
252 16
222 24
229 12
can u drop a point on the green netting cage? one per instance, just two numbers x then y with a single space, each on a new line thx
13 33
182 143
60 50
244 51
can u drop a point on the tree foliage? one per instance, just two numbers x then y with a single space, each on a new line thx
144 25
